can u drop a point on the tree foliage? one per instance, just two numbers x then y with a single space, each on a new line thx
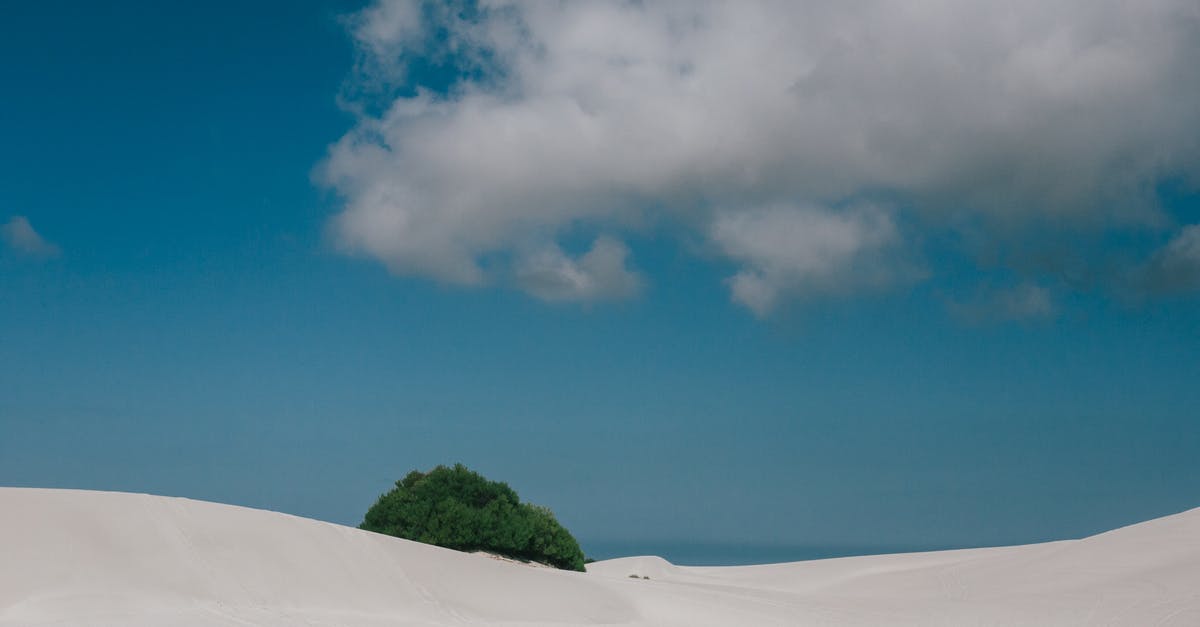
457 508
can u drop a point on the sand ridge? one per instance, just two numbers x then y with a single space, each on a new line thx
72 557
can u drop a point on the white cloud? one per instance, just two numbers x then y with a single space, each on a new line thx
19 235
784 249
614 116
597 275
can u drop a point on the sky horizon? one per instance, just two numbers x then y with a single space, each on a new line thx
781 274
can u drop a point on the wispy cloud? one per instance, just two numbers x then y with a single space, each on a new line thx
600 274
1024 302
1176 266
19 236
608 117
786 250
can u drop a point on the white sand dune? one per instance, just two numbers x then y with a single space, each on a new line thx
72 557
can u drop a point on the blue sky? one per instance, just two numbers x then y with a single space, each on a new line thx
246 260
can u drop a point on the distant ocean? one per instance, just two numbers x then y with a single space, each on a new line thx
734 554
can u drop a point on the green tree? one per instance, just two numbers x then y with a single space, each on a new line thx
457 508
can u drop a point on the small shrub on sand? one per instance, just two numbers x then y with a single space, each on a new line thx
457 508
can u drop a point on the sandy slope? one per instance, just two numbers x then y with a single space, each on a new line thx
98 558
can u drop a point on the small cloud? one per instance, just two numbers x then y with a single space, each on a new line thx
600 274
19 235
800 250
1175 267
1020 303
1025 302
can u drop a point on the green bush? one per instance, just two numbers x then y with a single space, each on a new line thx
460 509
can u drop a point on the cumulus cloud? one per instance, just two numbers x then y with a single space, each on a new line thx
20 236
615 117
